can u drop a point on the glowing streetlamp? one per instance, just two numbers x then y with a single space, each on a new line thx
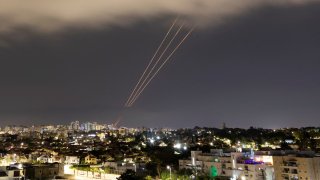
177 146
135 167
169 167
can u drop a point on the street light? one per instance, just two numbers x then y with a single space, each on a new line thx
135 167
168 167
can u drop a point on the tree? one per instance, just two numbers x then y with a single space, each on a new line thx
151 168
285 146
184 172
129 175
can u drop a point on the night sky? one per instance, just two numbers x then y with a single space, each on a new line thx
257 67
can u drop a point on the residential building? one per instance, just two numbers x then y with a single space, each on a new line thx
72 160
90 159
303 165
44 171
75 125
236 165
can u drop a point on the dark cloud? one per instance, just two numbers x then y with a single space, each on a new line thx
50 16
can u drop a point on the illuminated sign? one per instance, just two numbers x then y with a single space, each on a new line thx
213 171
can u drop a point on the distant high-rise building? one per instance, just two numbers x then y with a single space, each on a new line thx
224 126
88 126
75 125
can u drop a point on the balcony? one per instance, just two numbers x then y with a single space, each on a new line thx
294 171
286 177
289 164
285 172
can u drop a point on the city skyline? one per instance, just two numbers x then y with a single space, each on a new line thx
249 66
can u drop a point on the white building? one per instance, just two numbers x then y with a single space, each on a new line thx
75 125
43 159
303 165
236 165
72 160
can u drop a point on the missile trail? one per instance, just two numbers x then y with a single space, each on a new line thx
156 63
151 61
165 61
